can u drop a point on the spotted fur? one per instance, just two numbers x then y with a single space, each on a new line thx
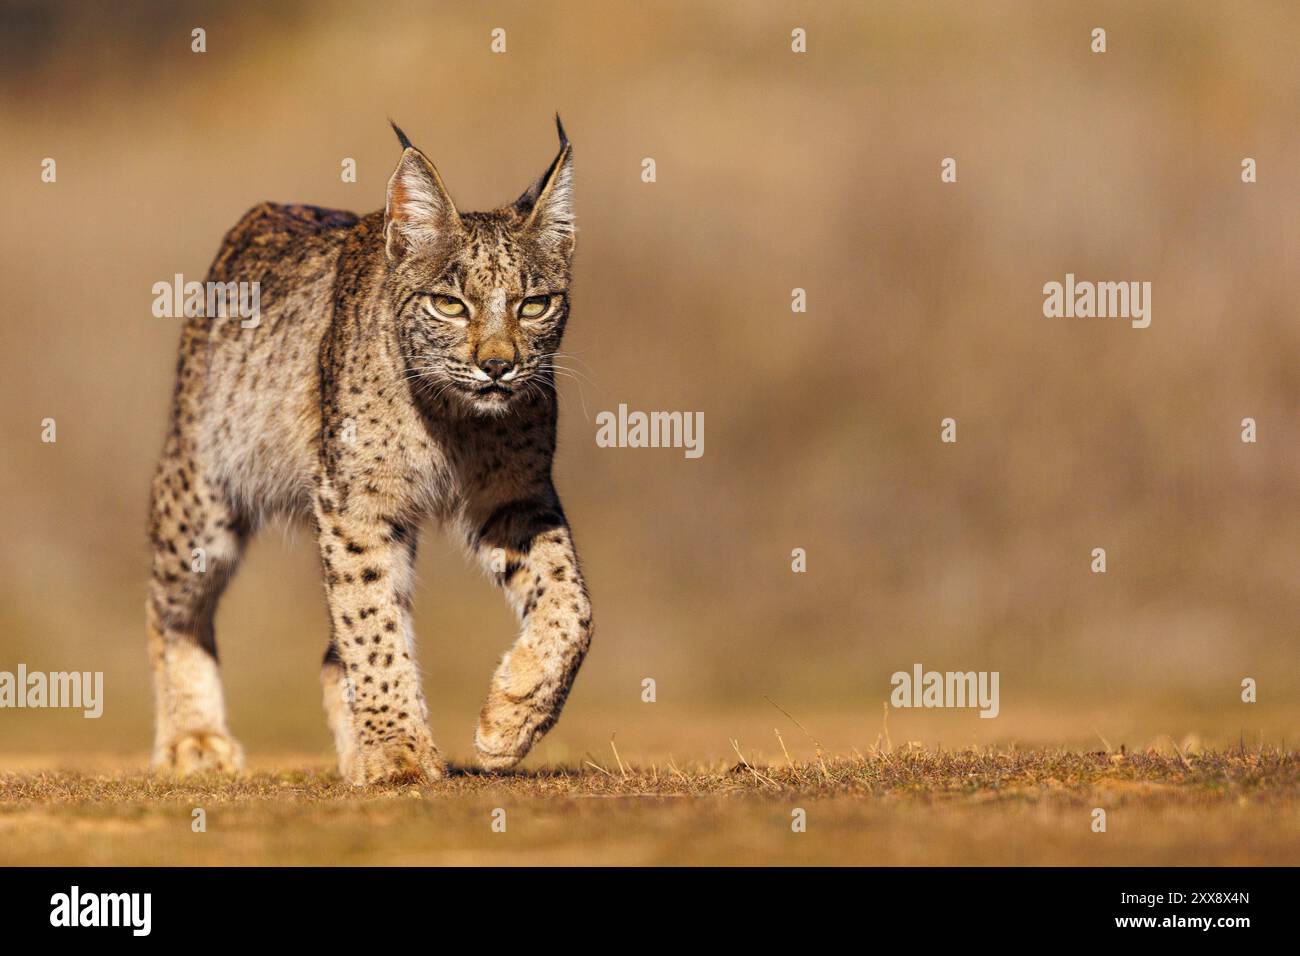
357 404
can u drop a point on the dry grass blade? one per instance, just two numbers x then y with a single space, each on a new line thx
735 745
617 758
781 741
1104 742
817 747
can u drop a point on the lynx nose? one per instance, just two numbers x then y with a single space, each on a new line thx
496 367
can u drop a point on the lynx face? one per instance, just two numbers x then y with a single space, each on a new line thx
481 298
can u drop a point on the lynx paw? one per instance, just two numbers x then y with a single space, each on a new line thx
516 713
506 731
402 760
199 752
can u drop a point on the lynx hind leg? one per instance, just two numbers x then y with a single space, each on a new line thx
338 695
197 544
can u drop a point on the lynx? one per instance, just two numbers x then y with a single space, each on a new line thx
403 368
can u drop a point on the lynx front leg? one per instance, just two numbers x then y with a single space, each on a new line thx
528 547
372 685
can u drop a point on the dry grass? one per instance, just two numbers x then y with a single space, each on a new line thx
908 807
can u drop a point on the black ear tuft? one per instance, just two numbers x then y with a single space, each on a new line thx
559 165
406 143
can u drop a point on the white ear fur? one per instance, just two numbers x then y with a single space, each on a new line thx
551 218
419 209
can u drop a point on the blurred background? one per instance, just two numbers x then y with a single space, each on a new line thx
774 171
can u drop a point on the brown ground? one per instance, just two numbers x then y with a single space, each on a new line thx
911 806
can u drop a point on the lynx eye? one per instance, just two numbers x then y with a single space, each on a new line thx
534 306
449 307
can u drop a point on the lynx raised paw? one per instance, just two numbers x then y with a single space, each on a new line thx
199 752
401 760
511 719
498 749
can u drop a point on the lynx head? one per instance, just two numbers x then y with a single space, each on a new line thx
481 298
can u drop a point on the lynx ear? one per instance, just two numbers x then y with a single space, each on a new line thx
548 203
419 208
